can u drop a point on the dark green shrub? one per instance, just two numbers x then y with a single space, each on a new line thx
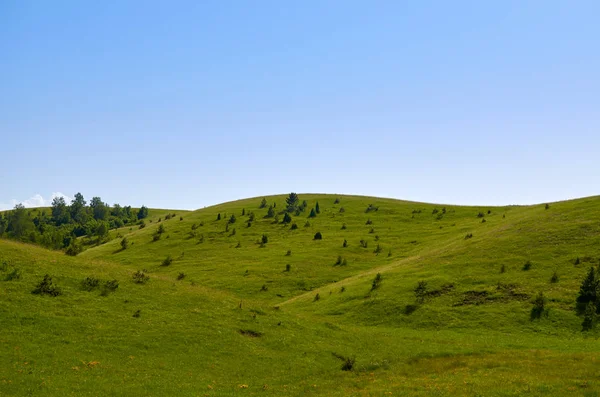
264 239
538 308
376 282
369 222
46 287
74 248
378 249
137 313
371 208
294 226
15 274
167 261
468 236
142 224
317 208
288 267
547 206
317 297
483 220
342 210
344 226
554 278
307 224
232 219
219 216
527 265
577 261
372 230
337 201
480 215
343 289
181 276
139 277
156 237
348 364
108 287
312 214
503 268
339 260
389 253
264 287
345 243
318 236
251 217
364 243
420 291
124 243
287 218
90 283
288 253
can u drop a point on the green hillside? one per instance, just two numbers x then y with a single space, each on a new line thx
216 310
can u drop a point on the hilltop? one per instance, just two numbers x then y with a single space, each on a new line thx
408 298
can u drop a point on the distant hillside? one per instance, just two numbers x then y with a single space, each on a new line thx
327 295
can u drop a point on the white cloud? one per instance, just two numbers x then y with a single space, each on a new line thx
36 200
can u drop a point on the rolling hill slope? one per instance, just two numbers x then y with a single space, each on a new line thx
224 314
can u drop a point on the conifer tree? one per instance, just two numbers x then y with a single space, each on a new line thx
588 291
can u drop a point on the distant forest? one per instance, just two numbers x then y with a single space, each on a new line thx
59 226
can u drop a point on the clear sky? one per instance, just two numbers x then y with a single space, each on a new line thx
186 104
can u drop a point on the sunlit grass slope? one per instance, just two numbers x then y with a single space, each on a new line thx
231 316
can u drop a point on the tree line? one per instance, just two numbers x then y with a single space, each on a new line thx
59 226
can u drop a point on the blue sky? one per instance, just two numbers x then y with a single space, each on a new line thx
187 104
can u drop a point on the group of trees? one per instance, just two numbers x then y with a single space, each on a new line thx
63 223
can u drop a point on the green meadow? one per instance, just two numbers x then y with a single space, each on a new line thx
396 298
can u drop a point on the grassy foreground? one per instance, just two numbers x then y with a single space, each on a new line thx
230 316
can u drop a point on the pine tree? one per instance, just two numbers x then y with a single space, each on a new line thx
588 291
589 317
312 214
287 218
270 212
263 203
292 202
317 209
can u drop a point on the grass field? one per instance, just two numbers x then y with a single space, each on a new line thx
228 315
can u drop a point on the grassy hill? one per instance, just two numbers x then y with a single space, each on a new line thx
227 315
